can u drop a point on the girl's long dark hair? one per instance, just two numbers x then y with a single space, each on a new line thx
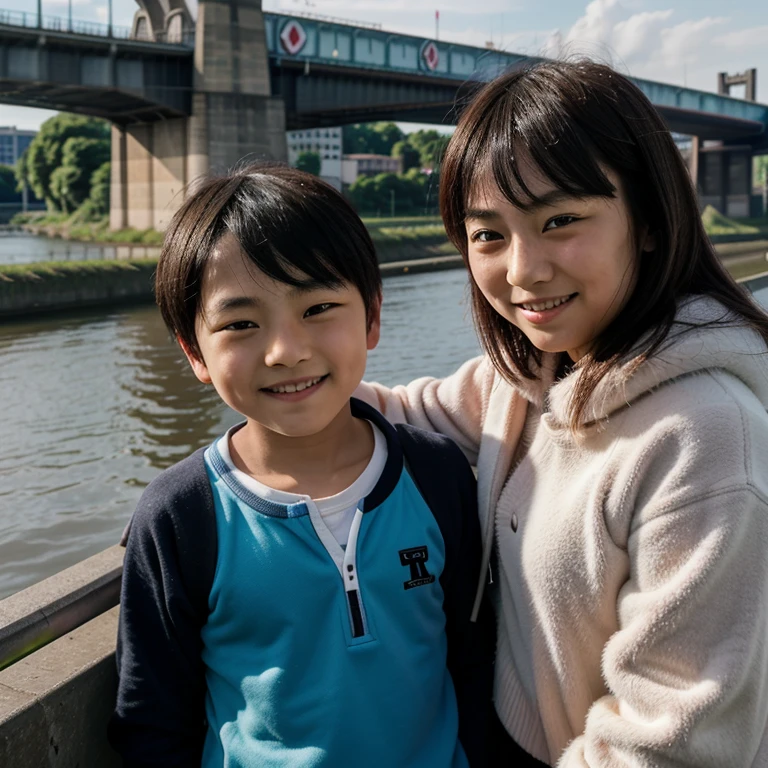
573 119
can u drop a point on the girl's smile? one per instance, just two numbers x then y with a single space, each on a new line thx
542 311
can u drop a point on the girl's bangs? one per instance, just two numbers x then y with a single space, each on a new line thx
533 132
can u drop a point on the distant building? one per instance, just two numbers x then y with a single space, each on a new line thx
13 142
368 165
326 142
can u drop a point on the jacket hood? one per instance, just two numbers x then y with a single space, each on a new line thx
705 336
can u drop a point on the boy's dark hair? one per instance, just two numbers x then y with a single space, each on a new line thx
574 120
294 227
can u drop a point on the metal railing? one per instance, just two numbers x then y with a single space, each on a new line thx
333 19
31 20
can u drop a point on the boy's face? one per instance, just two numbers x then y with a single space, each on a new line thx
286 358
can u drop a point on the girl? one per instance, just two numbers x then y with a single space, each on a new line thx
618 423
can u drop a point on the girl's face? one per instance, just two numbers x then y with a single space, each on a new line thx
560 270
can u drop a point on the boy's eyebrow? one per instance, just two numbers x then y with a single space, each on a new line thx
248 302
235 302
547 200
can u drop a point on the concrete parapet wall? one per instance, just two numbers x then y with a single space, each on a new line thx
55 704
47 286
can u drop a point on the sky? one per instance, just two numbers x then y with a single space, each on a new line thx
684 42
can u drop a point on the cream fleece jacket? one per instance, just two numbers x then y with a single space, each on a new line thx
633 560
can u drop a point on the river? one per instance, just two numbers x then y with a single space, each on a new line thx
96 404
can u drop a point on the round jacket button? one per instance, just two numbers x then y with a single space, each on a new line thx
513 523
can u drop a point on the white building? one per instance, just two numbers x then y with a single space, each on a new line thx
13 142
326 142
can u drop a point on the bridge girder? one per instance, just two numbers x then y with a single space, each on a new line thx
123 81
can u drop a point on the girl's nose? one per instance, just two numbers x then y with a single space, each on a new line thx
526 263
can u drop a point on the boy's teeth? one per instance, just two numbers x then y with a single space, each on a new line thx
295 387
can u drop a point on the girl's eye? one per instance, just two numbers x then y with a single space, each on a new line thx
318 309
484 236
240 325
560 221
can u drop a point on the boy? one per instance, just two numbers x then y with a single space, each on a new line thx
298 593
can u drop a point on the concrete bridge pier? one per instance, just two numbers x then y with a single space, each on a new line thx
725 178
234 116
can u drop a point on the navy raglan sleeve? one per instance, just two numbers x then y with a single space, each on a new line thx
159 719
448 485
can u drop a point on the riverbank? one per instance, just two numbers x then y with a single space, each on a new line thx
50 286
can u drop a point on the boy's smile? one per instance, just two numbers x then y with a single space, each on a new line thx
296 389
286 357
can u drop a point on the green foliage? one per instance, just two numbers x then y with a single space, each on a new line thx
8 191
411 158
760 170
412 192
309 162
70 183
50 155
715 223
430 144
370 138
420 149
100 183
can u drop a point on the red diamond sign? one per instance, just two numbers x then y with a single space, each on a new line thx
430 55
293 37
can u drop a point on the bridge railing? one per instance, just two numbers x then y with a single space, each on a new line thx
31 20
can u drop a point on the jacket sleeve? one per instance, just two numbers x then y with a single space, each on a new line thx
447 483
687 671
454 406
159 719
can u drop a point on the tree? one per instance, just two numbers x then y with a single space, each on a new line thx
370 138
100 183
70 183
408 153
45 156
309 162
8 191
386 136
375 194
760 170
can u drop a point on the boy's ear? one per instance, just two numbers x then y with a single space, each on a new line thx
199 368
374 329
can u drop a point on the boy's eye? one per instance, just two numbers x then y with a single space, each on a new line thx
558 222
484 236
240 325
318 309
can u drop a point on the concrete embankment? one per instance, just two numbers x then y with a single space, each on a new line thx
49 286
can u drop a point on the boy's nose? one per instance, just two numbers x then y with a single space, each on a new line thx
287 347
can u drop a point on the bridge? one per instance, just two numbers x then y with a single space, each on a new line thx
185 98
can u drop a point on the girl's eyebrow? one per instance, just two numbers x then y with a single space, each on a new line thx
547 200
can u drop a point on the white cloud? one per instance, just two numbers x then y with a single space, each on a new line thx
745 38
659 45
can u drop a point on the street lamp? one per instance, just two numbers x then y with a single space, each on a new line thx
39 13
109 18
